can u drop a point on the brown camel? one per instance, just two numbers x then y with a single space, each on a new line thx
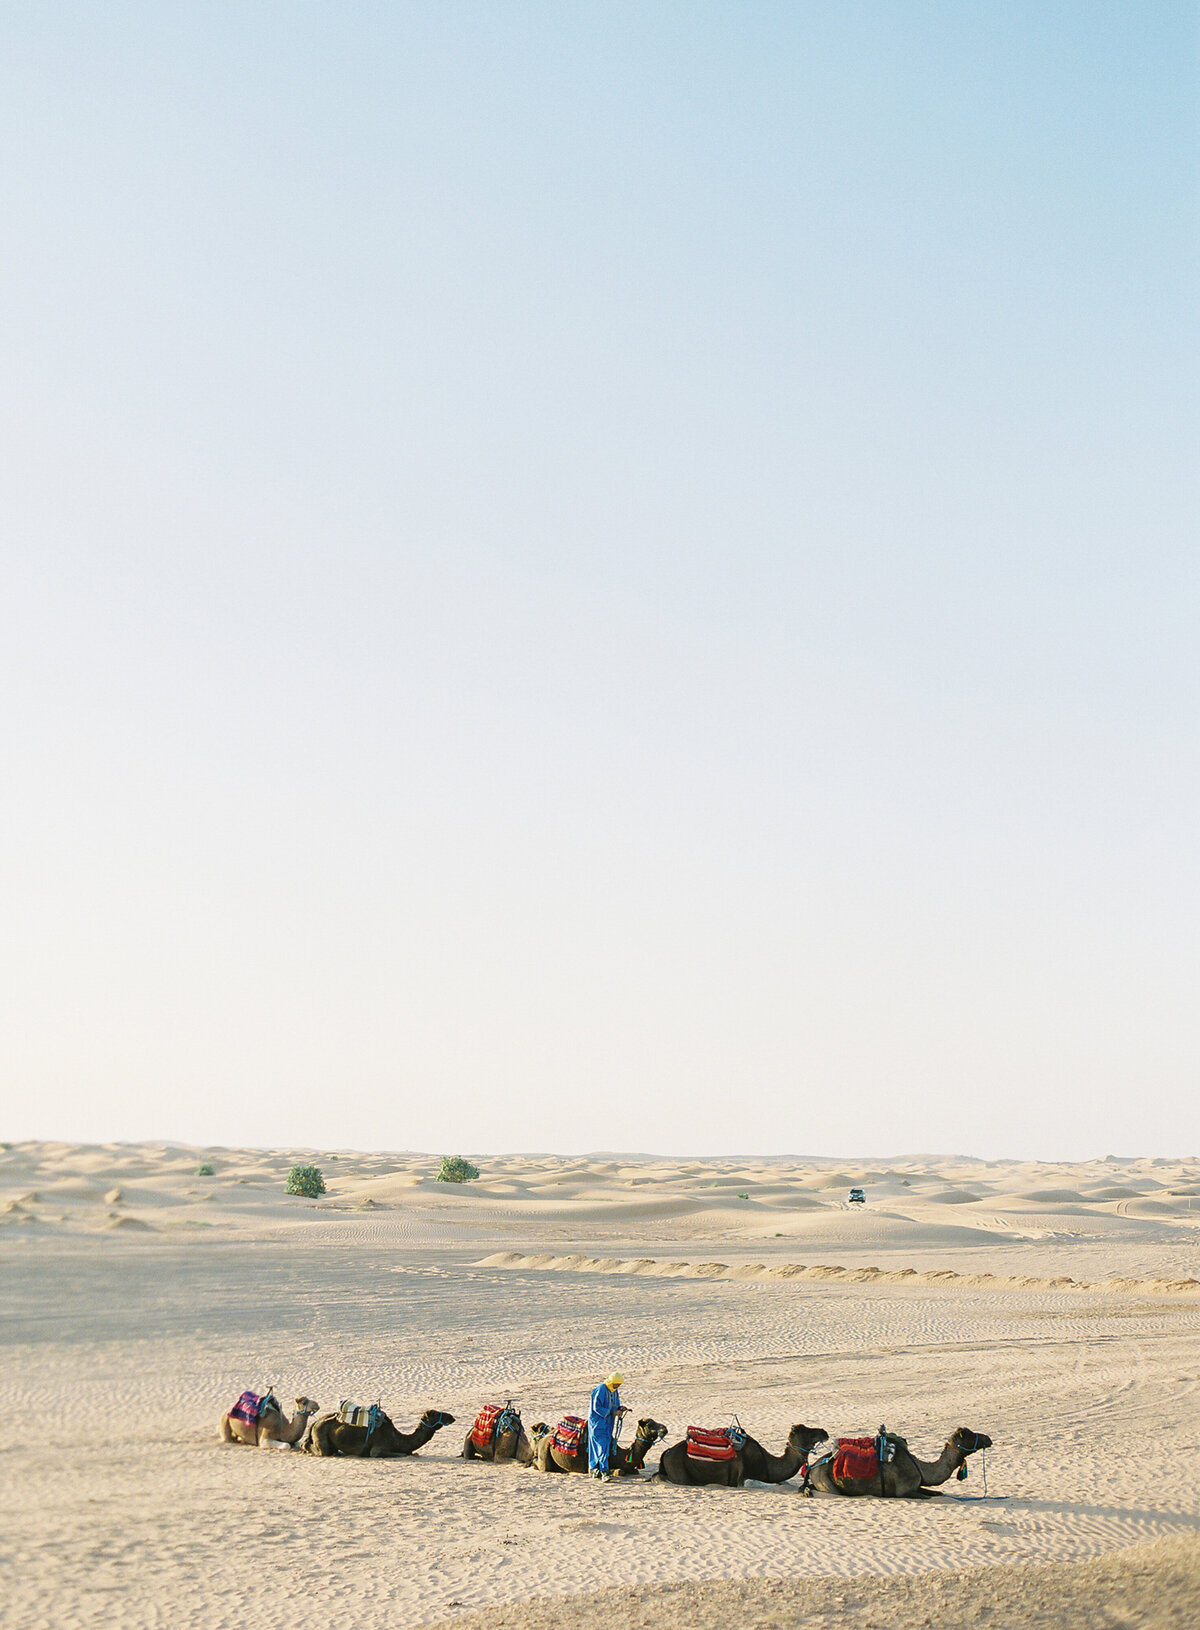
905 1477
272 1430
509 1441
330 1436
675 1465
624 1460
759 1466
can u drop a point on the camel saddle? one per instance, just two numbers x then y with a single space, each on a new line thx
709 1443
491 1420
567 1434
856 1459
358 1414
250 1406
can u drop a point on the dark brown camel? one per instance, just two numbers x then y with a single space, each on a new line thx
511 1443
329 1436
759 1466
675 1465
906 1477
624 1460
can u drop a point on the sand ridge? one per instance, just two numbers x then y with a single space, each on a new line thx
648 1266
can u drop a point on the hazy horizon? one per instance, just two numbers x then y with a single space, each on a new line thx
627 1156
612 570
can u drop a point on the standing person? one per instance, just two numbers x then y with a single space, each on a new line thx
606 1409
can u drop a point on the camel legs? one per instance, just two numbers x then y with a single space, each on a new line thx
270 1441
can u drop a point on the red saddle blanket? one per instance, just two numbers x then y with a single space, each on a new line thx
856 1459
484 1429
703 1444
568 1433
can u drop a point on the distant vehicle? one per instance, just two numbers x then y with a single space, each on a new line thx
857 1197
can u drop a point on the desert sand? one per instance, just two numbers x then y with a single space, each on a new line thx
1054 1307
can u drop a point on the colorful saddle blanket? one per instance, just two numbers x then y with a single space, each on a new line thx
568 1433
856 1459
720 1443
358 1414
491 1420
250 1406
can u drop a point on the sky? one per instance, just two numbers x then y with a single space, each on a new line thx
601 576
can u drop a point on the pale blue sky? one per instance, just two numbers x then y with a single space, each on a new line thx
597 575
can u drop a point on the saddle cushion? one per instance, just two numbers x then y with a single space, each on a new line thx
357 1414
706 1443
567 1434
248 1407
856 1459
486 1424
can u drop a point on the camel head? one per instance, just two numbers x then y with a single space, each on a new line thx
649 1431
967 1442
538 1430
806 1438
435 1419
306 1406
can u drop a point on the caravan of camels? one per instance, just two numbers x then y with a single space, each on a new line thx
881 1465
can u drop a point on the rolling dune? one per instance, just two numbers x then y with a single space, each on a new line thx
1054 1307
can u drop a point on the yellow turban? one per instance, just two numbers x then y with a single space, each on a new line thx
614 1381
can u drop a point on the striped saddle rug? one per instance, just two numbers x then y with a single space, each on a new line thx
714 1443
351 1414
491 1420
568 1433
856 1459
250 1406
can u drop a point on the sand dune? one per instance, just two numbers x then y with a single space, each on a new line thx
798 1270
1054 1307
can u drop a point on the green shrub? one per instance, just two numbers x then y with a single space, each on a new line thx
742 1195
454 1169
305 1180
204 1171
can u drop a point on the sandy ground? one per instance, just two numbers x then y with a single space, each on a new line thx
1155 1586
1047 1306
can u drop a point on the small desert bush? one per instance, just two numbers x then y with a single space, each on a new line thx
305 1180
204 1171
742 1195
454 1169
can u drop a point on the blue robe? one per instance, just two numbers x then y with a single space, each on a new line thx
601 1416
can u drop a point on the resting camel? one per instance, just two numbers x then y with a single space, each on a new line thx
675 1465
758 1466
905 1477
329 1436
624 1460
272 1430
510 1444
